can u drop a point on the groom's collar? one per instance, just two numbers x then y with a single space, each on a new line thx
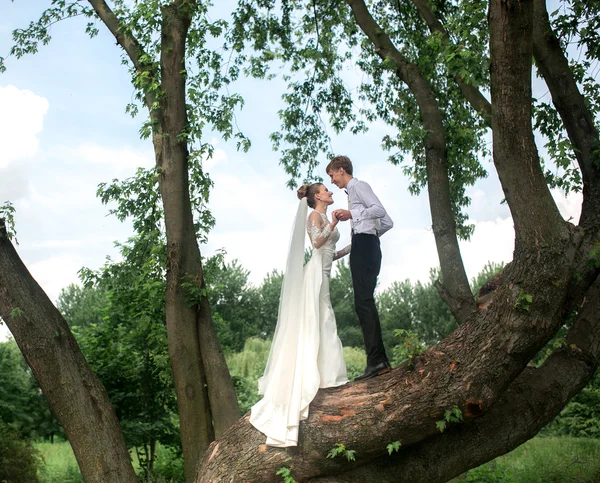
350 183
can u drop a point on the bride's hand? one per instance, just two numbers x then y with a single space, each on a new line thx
334 220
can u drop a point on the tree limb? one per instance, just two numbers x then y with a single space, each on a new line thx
534 399
472 94
571 106
130 45
536 218
474 366
75 394
455 279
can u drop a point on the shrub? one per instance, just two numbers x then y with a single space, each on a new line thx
19 460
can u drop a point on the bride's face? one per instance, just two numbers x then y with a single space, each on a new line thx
324 195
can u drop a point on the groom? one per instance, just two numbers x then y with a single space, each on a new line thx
369 221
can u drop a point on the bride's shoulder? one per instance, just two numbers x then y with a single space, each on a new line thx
316 217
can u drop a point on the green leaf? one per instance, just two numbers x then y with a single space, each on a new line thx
395 446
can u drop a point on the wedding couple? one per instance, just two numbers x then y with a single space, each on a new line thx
307 353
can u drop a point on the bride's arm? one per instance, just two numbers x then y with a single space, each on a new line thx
318 230
343 252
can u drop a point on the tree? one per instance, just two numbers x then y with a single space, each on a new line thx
342 300
166 46
118 319
235 304
426 69
20 461
427 66
270 291
22 407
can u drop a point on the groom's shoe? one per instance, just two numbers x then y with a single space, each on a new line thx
376 370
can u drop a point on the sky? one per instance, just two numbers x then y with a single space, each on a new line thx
64 130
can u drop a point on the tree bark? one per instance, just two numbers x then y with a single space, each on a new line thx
205 394
455 290
75 395
535 215
571 106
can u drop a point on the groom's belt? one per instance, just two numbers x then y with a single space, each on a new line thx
376 234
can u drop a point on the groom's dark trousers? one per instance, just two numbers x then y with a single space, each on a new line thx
365 263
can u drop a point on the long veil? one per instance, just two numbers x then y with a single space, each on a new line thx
291 378
291 295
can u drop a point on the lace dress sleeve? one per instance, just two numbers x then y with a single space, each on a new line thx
318 230
343 252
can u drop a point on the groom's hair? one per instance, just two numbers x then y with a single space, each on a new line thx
340 162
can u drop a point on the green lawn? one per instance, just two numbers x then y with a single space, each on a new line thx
541 460
61 466
544 460
60 463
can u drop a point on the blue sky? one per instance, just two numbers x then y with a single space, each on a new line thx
64 130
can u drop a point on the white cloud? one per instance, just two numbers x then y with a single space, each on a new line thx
115 158
21 121
493 241
569 206
56 272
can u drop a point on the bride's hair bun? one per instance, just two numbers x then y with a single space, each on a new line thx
309 191
303 191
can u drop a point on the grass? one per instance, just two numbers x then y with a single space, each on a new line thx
543 460
61 465
540 460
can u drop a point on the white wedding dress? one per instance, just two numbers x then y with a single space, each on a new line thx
306 353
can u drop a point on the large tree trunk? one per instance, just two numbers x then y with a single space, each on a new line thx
205 394
534 399
470 369
75 395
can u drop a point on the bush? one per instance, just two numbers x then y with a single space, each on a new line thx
19 460
168 466
356 361
581 417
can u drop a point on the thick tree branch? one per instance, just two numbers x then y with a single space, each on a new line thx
571 106
536 218
456 283
75 395
534 399
472 94
474 366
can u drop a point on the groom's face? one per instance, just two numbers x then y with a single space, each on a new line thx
337 177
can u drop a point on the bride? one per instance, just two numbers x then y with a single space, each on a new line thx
306 353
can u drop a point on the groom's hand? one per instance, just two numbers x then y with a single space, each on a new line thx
342 215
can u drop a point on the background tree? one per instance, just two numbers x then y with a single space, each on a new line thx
166 47
23 408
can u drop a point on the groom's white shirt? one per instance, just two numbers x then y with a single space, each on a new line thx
368 214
